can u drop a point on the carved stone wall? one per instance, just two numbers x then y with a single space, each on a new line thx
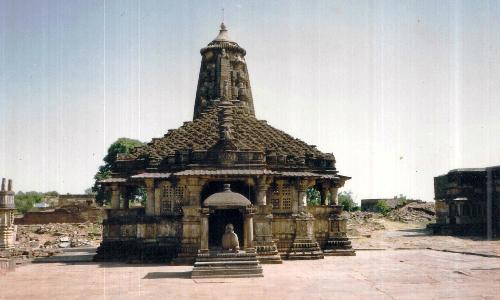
282 198
171 199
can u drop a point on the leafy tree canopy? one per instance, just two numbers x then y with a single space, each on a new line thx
382 207
313 197
122 145
345 199
25 201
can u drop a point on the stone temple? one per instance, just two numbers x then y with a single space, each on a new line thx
224 167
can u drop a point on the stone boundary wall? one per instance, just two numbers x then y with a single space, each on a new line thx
61 215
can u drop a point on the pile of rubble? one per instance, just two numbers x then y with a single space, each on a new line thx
49 239
423 212
363 223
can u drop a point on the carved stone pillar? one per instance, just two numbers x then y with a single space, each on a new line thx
338 244
7 207
248 230
115 196
302 186
126 197
204 213
157 197
194 187
324 192
262 187
333 194
304 245
150 201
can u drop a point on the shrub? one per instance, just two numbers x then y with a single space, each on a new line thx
348 204
25 201
382 207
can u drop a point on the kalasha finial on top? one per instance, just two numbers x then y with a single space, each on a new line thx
223 35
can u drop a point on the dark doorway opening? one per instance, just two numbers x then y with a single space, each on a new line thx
217 222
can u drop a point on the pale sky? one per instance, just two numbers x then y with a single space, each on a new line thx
399 91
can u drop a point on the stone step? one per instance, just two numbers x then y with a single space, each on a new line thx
227 271
204 259
268 259
304 257
226 263
226 276
223 272
340 252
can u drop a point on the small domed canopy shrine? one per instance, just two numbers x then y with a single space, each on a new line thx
227 198
184 173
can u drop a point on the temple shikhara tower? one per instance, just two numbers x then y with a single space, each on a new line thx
224 167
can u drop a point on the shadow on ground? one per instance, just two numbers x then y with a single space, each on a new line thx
85 256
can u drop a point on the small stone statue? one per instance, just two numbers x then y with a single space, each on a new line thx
230 239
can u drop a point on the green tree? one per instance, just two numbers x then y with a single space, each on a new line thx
313 197
345 199
382 207
121 146
25 201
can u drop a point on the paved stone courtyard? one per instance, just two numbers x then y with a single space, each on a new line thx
383 274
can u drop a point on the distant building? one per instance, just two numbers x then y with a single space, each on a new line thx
468 202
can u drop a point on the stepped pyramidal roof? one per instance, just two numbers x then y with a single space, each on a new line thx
224 132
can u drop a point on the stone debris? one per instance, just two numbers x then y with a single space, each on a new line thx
48 239
413 213
363 223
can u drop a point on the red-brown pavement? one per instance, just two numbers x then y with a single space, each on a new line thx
384 274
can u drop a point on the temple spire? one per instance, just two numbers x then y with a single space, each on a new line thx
223 60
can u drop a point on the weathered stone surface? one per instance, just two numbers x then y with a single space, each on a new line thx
226 265
224 143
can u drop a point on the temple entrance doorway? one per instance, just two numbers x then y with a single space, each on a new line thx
217 222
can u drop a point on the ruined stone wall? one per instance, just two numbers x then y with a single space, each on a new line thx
71 199
62 215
